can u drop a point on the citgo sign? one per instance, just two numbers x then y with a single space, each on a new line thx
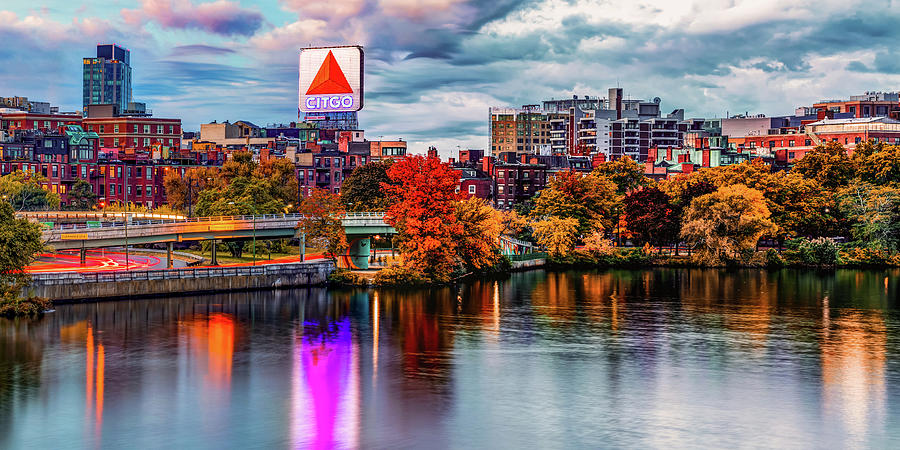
331 79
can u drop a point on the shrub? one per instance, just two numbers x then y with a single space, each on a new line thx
817 252
869 256
344 277
400 275
12 306
774 259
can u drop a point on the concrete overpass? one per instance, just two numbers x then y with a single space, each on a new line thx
358 227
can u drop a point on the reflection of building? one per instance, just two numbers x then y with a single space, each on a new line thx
854 352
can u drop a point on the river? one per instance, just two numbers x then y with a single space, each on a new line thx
656 358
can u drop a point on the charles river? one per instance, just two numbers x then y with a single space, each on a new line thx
661 358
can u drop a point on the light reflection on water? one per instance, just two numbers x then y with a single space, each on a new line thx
661 358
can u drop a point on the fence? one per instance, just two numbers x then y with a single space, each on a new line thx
250 218
170 274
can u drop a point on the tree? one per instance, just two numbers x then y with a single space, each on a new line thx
881 166
243 196
201 178
82 196
652 217
282 177
423 211
322 222
240 165
828 164
362 190
20 242
557 234
25 192
479 242
588 198
874 212
625 173
725 226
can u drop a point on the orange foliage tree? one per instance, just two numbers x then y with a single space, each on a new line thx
322 222
423 211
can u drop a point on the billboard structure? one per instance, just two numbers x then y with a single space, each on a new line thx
331 79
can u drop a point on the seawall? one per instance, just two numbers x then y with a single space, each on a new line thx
85 287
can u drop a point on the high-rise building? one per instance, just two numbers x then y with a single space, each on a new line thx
107 78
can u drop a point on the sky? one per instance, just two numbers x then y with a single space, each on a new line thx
434 67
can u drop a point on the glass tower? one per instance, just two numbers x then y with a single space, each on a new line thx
107 77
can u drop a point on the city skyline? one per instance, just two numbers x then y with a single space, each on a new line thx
435 67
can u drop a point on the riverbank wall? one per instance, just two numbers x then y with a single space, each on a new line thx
86 287
520 266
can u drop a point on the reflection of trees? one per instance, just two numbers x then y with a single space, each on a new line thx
414 318
21 356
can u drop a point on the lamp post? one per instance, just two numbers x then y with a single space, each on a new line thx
126 216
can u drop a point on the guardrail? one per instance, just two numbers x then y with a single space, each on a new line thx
249 218
169 274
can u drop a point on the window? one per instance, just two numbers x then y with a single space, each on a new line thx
128 172
472 189
118 172
500 188
808 143
159 129
146 129
129 190
116 129
83 171
116 142
149 191
791 143
102 128
112 189
146 142
149 174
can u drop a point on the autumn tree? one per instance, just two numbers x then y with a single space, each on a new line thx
557 234
362 190
423 200
25 192
725 226
652 217
81 196
874 212
588 198
625 173
200 178
829 164
881 166
479 241
240 165
322 222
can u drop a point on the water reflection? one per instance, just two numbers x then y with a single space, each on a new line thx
619 358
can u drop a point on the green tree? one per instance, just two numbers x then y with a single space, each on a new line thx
725 226
20 243
282 177
322 222
588 198
874 213
82 196
625 173
25 192
241 165
363 191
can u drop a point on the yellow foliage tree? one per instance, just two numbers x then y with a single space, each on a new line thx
556 234
479 241
725 226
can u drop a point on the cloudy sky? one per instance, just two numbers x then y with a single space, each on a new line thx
435 66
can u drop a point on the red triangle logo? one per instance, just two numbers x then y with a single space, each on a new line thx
329 79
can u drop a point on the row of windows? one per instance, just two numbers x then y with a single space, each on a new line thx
145 129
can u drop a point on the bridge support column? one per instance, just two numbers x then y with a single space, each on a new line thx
215 261
170 262
358 254
82 256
